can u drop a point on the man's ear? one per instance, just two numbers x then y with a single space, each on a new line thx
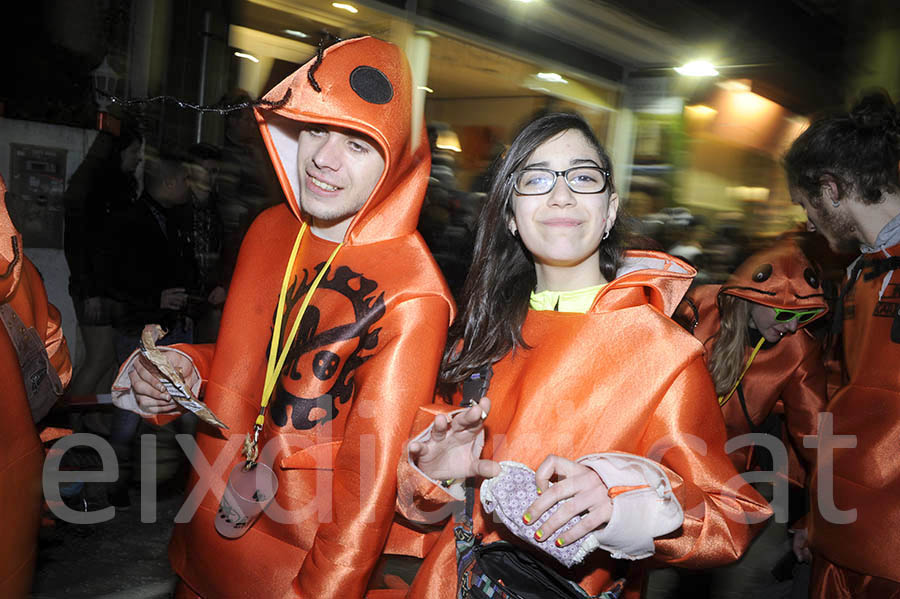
829 189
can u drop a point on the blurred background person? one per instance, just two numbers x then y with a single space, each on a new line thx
106 183
246 183
155 269
21 452
206 239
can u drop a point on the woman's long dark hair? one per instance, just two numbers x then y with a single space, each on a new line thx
501 278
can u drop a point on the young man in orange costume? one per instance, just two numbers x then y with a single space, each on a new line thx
22 455
361 362
843 171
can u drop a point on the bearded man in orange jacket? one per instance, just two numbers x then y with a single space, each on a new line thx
843 171
361 360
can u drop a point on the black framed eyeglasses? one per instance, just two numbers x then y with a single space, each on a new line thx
802 316
580 179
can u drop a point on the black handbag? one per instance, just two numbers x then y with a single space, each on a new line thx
501 570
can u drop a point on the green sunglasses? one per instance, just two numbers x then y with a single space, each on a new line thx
802 316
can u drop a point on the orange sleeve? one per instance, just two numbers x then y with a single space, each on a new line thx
687 436
391 386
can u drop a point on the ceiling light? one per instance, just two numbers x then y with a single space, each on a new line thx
426 88
295 33
524 1
697 68
551 77
345 6
247 56
426 33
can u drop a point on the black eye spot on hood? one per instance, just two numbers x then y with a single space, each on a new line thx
371 85
762 273
812 277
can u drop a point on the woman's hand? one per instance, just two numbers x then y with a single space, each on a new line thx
149 392
450 451
800 545
587 496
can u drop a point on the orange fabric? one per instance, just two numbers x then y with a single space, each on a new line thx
790 373
622 377
830 581
21 458
365 358
866 477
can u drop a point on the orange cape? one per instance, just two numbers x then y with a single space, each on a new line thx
623 377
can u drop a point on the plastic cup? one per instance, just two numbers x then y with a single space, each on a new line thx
246 496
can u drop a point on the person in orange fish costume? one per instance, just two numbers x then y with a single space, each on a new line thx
763 362
22 457
594 388
360 315
843 171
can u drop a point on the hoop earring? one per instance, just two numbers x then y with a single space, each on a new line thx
835 204
605 235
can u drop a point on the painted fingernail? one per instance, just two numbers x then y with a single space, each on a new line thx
539 534
560 541
526 518
540 491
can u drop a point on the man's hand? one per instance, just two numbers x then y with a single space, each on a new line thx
450 451
216 296
149 392
800 545
173 299
587 495
93 308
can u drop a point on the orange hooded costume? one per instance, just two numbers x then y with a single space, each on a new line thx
791 371
855 554
622 378
22 456
364 360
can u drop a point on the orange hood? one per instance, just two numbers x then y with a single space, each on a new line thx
366 86
648 277
10 250
780 277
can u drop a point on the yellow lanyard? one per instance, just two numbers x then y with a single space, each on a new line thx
276 358
723 399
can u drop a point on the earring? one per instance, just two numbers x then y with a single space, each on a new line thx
835 204
605 235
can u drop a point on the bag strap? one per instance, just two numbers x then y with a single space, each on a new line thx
474 388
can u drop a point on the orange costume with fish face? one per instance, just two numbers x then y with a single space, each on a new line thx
22 456
365 357
790 371
855 554
622 377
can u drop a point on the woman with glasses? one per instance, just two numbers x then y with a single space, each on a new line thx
767 369
592 386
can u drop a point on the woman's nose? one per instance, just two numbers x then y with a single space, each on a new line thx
560 194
